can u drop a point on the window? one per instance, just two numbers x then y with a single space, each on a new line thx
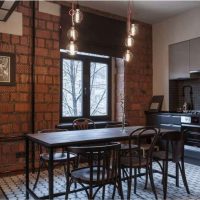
85 87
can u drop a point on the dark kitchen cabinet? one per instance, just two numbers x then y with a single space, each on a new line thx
179 60
195 54
163 120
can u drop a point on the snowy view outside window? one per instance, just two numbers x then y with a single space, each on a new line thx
72 102
98 89
72 88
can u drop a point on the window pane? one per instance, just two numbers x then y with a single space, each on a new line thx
98 89
72 88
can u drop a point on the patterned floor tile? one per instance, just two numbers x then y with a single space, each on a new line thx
14 186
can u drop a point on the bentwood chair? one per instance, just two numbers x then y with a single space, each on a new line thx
102 168
83 123
173 151
134 159
59 157
124 146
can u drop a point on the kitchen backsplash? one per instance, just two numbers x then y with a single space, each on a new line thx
176 97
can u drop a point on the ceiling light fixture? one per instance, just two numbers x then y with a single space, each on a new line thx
131 32
72 33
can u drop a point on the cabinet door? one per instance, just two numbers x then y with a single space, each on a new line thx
179 60
195 54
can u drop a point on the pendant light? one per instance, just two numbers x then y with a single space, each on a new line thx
78 15
131 31
72 33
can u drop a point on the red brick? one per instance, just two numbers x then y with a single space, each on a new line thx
22 107
41 24
24 40
43 34
6 107
48 62
23 59
41 70
6 38
40 42
22 49
50 26
15 39
41 52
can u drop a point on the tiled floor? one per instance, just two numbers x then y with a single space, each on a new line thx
14 186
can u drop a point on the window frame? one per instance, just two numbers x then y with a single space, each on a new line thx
87 59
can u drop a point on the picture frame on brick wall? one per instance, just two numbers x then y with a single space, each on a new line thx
7 68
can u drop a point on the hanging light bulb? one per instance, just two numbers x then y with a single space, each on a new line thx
129 41
72 48
128 56
72 33
78 15
133 30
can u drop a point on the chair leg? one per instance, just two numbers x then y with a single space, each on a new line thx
152 181
135 180
182 169
129 183
114 190
177 175
38 174
103 192
165 176
146 181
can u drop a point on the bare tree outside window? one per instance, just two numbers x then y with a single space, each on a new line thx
72 88
98 89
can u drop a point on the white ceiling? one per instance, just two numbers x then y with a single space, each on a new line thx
146 11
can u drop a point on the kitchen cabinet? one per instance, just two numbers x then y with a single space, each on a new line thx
164 120
194 55
179 60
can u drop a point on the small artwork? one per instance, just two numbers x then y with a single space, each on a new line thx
7 69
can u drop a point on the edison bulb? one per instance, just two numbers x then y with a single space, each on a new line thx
133 29
72 33
72 47
129 41
78 16
128 56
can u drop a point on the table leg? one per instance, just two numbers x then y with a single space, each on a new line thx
50 171
27 168
33 157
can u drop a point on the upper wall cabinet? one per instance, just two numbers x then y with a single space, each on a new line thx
195 54
179 60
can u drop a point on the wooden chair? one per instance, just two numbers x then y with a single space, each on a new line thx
173 152
83 123
135 160
102 169
59 157
124 146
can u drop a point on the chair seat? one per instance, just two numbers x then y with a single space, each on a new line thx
58 156
161 155
83 175
126 146
125 162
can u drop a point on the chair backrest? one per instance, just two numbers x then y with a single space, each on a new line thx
83 123
103 161
174 143
137 137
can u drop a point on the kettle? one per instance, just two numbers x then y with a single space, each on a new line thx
186 106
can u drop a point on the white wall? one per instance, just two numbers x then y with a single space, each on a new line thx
176 29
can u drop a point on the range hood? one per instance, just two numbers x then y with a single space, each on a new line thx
194 74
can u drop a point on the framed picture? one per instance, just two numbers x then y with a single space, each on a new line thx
7 68
156 103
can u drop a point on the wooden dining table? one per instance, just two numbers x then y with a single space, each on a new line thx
55 140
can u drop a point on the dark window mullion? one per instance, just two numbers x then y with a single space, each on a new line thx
86 92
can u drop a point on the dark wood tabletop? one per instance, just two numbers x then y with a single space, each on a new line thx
66 138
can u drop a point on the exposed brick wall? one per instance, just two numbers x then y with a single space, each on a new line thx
15 101
138 77
47 71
